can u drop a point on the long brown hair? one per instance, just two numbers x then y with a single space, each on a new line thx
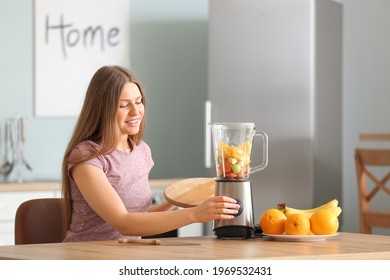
97 123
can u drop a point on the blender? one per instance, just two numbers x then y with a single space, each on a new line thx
232 144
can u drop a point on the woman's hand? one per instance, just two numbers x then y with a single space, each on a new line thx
215 208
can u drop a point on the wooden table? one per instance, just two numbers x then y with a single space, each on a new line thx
344 246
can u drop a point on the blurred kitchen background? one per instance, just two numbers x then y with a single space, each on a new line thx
169 54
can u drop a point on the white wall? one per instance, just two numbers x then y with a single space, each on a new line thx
366 90
168 53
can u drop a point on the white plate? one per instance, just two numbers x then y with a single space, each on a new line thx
300 238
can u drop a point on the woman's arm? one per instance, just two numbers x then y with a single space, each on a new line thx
105 201
163 206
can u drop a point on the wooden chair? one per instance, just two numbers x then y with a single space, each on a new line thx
39 221
369 185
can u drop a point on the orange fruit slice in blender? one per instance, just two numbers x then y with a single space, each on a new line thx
233 161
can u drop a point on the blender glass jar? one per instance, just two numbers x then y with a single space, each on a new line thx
232 144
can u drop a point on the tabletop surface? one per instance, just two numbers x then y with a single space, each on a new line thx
342 246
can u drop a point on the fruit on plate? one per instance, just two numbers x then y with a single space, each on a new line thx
333 204
324 221
297 224
321 220
272 221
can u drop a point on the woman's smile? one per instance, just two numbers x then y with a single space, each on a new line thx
134 122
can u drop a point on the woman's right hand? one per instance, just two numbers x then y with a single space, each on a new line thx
215 208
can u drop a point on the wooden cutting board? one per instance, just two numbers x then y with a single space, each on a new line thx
190 192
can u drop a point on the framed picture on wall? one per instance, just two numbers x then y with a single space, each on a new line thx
72 39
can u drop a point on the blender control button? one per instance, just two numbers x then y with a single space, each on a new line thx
240 210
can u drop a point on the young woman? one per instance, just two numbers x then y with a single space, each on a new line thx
106 167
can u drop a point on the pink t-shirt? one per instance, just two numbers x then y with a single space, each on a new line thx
128 174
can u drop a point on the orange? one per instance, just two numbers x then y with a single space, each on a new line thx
324 222
297 224
272 221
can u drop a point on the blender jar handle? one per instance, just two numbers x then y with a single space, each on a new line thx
265 153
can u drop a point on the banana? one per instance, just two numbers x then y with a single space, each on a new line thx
335 210
333 205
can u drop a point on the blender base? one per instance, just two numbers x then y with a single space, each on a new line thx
234 232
